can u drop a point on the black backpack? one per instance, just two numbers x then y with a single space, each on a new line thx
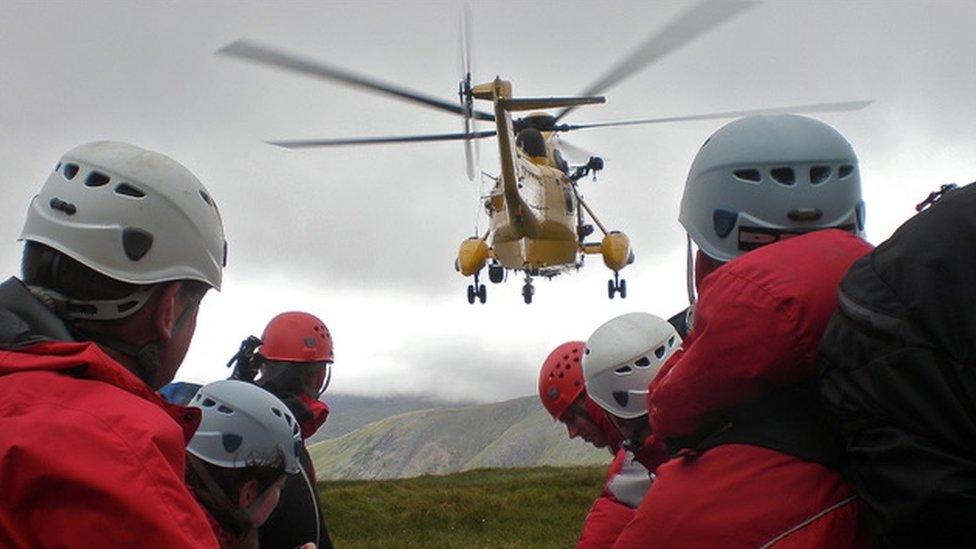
898 374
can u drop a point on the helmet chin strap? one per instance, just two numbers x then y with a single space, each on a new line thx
146 356
690 280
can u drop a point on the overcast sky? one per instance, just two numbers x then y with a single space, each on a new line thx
366 237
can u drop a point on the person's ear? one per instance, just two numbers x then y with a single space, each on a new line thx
167 311
249 492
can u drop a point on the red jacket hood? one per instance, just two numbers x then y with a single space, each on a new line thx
318 412
757 325
87 360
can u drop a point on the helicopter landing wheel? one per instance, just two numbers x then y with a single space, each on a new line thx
496 273
482 293
527 292
471 294
617 286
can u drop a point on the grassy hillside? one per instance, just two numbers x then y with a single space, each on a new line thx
540 507
515 433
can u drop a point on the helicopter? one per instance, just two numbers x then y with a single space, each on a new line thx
538 220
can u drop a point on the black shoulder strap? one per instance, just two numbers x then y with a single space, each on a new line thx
680 322
788 420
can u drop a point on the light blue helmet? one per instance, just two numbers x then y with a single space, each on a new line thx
763 178
242 425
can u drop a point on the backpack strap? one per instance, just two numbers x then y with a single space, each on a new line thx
789 420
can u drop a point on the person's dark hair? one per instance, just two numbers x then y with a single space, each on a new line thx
223 506
48 268
282 378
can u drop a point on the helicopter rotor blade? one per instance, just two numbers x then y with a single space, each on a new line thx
251 51
472 160
814 108
310 143
686 27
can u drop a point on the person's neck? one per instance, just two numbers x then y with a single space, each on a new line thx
124 359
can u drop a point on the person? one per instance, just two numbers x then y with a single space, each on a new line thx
897 373
563 394
773 204
622 357
293 361
121 245
246 446
761 179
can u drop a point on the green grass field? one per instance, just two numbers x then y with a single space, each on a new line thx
539 507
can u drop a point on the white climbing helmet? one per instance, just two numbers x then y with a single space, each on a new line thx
763 178
243 424
621 359
131 214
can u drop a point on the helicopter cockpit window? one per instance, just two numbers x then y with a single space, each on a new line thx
531 141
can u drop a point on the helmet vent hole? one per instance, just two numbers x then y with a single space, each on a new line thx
751 175
621 397
624 370
845 171
287 419
785 176
127 305
96 179
208 402
276 412
58 167
231 442
642 362
724 221
671 341
128 190
819 174
659 352
226 410
70 171
206 198
136 243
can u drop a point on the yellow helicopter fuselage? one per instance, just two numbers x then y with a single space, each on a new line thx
540 231
532 208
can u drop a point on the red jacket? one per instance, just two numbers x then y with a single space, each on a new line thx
627 481
625 478
91 457
756 327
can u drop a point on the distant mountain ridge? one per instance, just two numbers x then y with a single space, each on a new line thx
350 412
514 433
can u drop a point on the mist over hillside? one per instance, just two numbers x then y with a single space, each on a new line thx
350 412
514 433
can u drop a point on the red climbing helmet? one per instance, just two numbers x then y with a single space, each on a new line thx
296 337
561 378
